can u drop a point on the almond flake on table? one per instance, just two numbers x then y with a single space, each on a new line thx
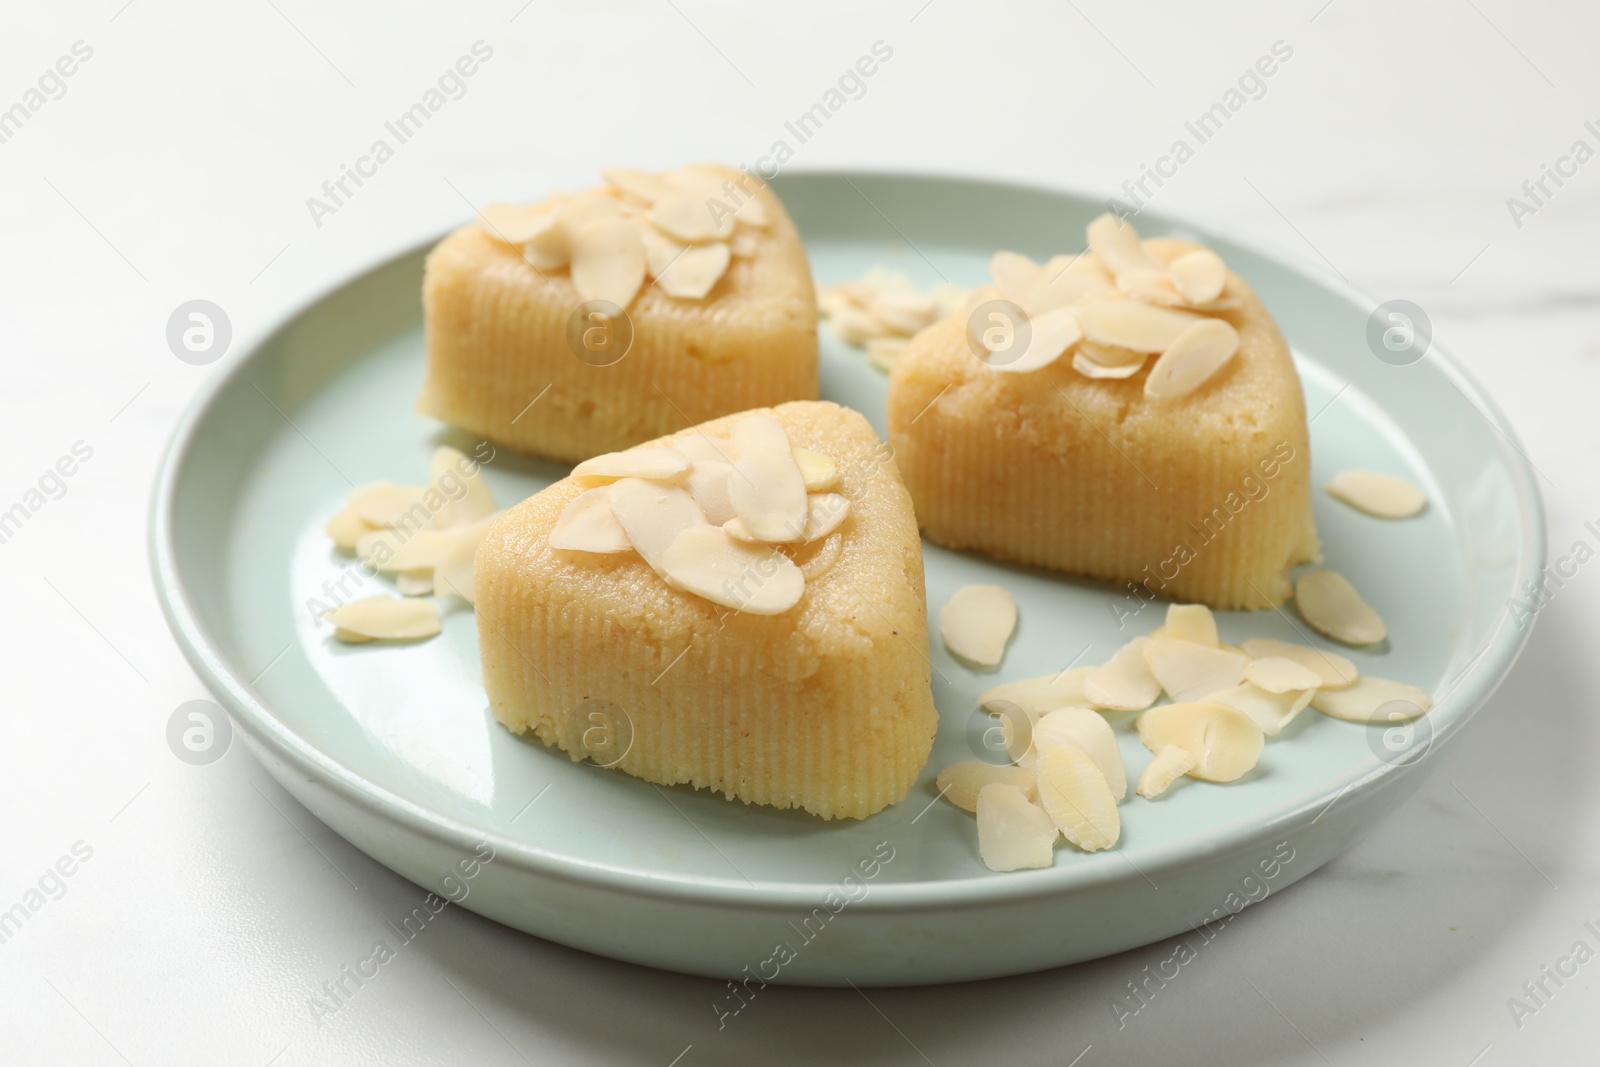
1224 741
1380 495
1076 796
1013 833
961 782
977 622
384 618
1332 606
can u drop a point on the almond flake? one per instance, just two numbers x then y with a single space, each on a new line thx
1135 325
854 326
587 525
744 245
1192 359
660 251
976 622
768 493
1116 245
1124 682
1170 764
550 248
460 481
708 484
756 579
952 298
1190 672
1382 495
1067 280
1016 731
819 471
391 550
1045 693
824 513
653 515
904 313
1049 335
1191 622
1090 732
758 431
1014 273
694 272
698 448
347 529
1373 700
414 583
820 561
1075 795
1086 362
516 224
883 351
1333 670
711 187
1013 833
1152 287
1224 741
636 182
453 574
1332 606
1278 674
607 261
1268 710
682 216
960 783
385 503
1199 275
385 618
644 461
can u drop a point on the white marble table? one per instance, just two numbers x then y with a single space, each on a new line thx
176 161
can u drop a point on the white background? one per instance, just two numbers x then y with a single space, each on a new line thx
177 165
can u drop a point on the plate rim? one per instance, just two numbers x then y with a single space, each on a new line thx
254 713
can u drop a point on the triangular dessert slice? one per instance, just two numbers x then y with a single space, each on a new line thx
592 322
739 606
1130 413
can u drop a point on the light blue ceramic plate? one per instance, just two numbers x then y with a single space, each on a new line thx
394 748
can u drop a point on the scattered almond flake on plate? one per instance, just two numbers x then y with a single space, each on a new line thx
977 622
1224 741
959 783
653 515
645 461
818 470
1045 693
1332 606
1381 495
588 525
708 484
385 618
1077 798
904 313
1372 699
1170 764
386 503
453 573
1016 731
1199 275
1136 325
1279 674
1334 670
1090 732
1123 682
1270 711
1192 359
390 550
415 583
854 326
883 351
607 261
1013 833
1192 622
756 579
768 493
1049 336
1190 672
694 272
347 529
460 483
1116 245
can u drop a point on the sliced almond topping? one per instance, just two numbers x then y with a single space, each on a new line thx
693 273
819 471
1332 606
883 351
1224 741
587 525
708 484
711 187
385 503
414 583
1014 273
1152 287
1091 733
1277 674
347 529
590 206
607 261
1136 325
959 783
1192 359
1382 495
653 515
1087 361
1049 335
1013 832
758 431
1268 710
1124 682
1333 670
976 622
1046 693
768 493
1373 700
744 245
515 223
1190 672
551 247
635 182
697 448
820 560
824 513
644 461
1199 275
757 579
1067 280
1075 795
460 481
1170 764
660 251
690 220
1191 622
1116 244
385 618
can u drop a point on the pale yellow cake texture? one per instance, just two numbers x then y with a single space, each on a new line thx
826 707
1205 499
497 340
